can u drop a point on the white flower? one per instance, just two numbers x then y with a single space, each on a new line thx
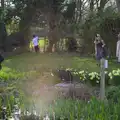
106 72
97 81
94 75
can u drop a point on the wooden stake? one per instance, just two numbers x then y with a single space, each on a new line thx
102 82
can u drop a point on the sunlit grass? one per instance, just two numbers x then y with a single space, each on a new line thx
37 63
33 69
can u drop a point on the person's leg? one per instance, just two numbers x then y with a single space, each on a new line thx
35 48
98 57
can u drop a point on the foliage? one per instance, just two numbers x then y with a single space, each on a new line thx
105 24
62 108
113 94
10 99
94 78
69 109
115 77
71 44
13 26
7 75
69 12
83 75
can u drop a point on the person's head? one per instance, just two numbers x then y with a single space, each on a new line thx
98 37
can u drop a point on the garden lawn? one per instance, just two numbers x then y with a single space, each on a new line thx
35 69
29 62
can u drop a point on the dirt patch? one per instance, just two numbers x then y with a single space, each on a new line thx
49 93
40 83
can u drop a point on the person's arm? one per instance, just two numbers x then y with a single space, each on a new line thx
103 43
95 49
95 42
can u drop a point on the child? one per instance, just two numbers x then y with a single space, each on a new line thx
35 43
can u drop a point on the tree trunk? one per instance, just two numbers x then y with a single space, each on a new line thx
91 5
53 35
102 5
24 25
2 4
79 11
118 4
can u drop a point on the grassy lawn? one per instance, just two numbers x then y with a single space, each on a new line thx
31 61
36 68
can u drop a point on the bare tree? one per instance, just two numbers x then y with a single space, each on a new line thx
118 4
91 5
2 3
102 5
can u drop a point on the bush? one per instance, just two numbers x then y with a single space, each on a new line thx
113 93
111 78
71 44
7 75
94 78
90 77
115 77
82 75
107 78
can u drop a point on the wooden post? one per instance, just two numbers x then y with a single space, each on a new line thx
102 82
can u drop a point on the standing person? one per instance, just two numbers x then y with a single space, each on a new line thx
118 48
99 48
35 43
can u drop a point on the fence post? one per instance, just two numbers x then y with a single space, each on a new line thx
102 81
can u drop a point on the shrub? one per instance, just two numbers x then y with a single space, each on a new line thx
94 78
71 44
115 77
82 75
107 78
7 74
113 93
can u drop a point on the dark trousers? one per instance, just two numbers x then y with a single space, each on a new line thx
36 48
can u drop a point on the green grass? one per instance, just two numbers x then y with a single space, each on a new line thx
30 70
32 64
31 61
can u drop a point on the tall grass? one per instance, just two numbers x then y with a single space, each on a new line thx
78 110
94 110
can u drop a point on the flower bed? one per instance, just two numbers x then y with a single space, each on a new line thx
93 78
